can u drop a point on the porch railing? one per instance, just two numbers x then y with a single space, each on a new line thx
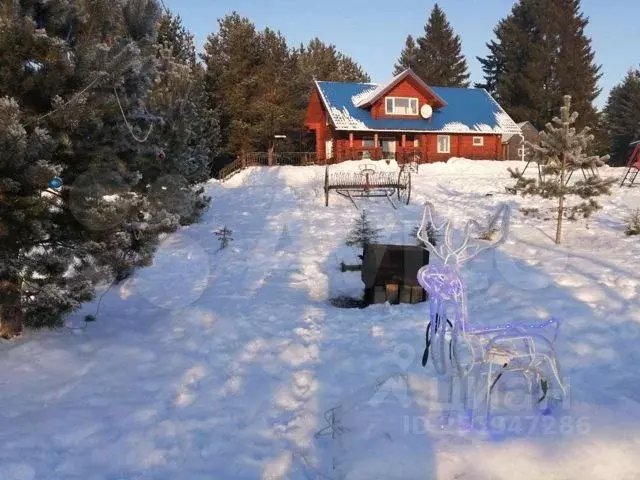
409 155
359 153
402 155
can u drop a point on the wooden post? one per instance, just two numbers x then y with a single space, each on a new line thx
392 293
379 294
270 156
376 144
417 294
405 294
326 186
11 313
424 144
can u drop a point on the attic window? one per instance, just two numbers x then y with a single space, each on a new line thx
401 106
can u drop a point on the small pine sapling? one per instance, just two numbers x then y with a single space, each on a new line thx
633 225
225 237
562 152
362 233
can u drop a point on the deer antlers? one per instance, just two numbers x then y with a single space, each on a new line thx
470 247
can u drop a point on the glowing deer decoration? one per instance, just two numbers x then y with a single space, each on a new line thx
513 347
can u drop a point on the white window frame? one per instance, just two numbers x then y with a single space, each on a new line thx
371 139
478 141
448 149
412 101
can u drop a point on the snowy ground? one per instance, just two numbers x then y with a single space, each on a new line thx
221 365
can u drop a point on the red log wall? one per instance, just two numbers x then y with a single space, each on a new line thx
406 88
461 145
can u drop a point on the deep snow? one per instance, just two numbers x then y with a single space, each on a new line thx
224 364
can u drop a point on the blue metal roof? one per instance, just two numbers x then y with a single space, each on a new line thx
467 110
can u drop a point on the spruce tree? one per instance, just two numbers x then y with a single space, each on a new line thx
408 57
562 156
363 232
540 49
438 59
492 65
623 116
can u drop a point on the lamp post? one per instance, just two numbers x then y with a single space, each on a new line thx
275 143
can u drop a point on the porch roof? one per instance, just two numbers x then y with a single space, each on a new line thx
467 110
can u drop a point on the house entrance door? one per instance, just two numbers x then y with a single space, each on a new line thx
388 148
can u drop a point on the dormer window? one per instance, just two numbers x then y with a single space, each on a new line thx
401 106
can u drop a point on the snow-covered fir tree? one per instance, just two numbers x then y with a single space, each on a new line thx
75 83
565 168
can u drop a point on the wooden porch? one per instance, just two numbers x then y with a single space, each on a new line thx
401 155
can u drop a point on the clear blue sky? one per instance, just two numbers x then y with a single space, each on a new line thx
373 31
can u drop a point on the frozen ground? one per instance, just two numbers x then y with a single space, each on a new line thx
221 365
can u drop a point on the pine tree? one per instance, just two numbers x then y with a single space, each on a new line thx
408 57
324 62
540 49
276 109
233 57
261 86
623 116
438 59
560 155
189 134
172 34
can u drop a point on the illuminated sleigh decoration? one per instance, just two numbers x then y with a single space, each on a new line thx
460 348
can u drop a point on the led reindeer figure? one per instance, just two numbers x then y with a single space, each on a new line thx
523 348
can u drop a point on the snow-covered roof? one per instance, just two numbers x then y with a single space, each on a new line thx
466 110
507 137
369 96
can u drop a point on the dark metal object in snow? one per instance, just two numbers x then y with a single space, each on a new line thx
389 273
369 183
